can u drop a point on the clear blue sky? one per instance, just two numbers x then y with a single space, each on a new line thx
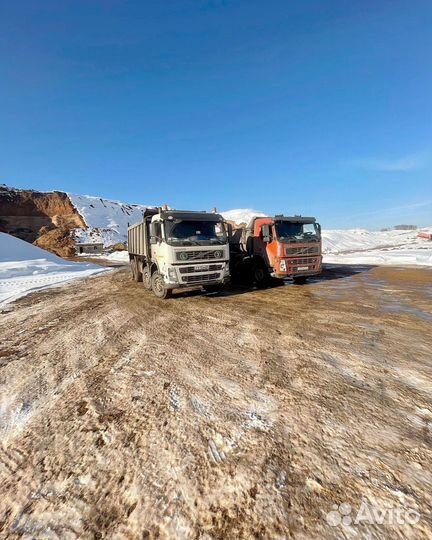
313 107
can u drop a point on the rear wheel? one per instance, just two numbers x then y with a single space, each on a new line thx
260 275
136 273
132 268
158 286
146 277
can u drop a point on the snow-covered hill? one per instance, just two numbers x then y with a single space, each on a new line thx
25 268
107 220
339 240
359 246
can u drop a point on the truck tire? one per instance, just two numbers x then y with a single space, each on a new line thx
146 277
136 274
261 276
136 271
158 286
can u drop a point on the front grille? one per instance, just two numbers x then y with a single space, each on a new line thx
309 250
192 269
200 278
300 262
195 255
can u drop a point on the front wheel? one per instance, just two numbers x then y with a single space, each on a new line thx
260 275
158 286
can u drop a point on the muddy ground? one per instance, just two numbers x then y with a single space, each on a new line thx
245 415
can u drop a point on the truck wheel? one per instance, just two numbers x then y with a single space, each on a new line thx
300 280
132 268
146 277
260 275
158 286
136 274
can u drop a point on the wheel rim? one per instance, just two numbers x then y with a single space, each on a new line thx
158 286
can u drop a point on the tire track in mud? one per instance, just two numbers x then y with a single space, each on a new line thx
232 416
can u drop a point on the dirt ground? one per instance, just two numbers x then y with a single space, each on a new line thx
243 415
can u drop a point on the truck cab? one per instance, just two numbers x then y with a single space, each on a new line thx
173 249
283 246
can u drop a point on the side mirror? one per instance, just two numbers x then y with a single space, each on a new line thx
153 240
266 233
319 228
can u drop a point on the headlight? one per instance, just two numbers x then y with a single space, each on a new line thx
172 274
283 265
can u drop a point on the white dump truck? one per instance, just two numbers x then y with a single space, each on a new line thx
170 249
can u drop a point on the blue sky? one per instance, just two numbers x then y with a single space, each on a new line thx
313 107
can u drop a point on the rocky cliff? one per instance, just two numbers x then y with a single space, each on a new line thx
45 219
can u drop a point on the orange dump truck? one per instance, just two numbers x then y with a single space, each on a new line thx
278 247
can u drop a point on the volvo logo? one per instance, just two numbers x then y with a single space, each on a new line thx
218 254
183 256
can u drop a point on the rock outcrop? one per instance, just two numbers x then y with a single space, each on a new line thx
45 219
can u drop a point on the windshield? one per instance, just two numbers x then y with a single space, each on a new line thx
198 232
288 231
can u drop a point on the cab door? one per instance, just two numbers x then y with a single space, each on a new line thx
266 245
156 240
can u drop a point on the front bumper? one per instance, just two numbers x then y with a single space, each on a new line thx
191 275
298 266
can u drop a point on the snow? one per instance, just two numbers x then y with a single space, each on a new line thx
25 268
118 256
241 215
114 257
359 246
397 257
336 241
107 220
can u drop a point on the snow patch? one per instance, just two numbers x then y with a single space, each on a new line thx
107 220
25 268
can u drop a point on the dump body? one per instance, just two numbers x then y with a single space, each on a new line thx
185 249
138 239
280 246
